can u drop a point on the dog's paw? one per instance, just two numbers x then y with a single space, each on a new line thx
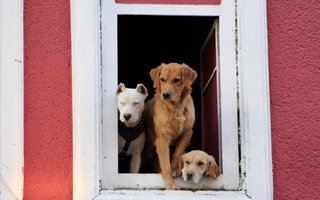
171 186
175 173
174 167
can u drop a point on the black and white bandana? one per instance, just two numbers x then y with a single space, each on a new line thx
129 134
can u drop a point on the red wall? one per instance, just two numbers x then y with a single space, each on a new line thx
48 117
294 58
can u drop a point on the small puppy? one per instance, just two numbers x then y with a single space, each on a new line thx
131 137
196 164
170 116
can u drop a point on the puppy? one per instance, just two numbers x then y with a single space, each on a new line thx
170 116
196 164
131 137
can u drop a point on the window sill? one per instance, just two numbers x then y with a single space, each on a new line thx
170 194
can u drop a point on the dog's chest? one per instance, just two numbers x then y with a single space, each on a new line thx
129 137
177 123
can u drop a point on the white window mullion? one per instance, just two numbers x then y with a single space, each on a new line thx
255 98
228 93
11 99
86 104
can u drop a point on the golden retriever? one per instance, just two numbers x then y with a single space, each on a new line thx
196 164
170 116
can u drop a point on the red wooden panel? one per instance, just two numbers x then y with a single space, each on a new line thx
208 61
196 2
210 126
210 120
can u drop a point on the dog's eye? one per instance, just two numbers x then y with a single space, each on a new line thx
162 80
188 162
135 103
176 80
200 163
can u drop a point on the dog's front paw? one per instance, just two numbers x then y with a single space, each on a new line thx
175 173
171 186
174 167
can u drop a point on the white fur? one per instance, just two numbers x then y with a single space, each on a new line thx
131 102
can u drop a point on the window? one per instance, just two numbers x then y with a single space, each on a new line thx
88 131
11 100
145 40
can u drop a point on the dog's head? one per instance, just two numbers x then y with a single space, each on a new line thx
172 79
131 103
196 164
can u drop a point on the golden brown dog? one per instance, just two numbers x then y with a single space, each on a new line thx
196 164
170 116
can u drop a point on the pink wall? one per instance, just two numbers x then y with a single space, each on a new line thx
48 117
294 58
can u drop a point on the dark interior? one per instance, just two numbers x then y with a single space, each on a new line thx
144 42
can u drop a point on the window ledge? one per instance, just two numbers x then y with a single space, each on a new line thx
170 194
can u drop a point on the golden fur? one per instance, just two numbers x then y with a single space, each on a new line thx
170 116
196 164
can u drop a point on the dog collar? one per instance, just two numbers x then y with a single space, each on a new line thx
129 134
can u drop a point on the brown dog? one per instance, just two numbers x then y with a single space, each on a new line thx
196 164
170 116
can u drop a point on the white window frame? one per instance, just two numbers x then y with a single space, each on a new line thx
11 100
253 83
111 179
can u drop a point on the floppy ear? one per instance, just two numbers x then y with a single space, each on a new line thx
189 75
121 88
180 166
142 89
155 73
214 170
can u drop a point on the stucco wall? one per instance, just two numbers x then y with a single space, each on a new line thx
48 108
294 58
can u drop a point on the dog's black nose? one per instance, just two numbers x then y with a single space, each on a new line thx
189 176
127 116
166 95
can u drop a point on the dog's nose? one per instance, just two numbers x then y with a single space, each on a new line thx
189 176
127 116
166 95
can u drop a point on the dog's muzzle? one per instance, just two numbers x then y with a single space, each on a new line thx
166 95
189 176
127 116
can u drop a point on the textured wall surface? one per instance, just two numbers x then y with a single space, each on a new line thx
294 58
48 108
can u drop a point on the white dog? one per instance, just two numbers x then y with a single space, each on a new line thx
131 136
196 164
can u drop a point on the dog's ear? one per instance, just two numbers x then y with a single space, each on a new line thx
154 74
142 89
214 170
188 74
121 88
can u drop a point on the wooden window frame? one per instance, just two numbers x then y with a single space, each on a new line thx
254 110
111 179
11 100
